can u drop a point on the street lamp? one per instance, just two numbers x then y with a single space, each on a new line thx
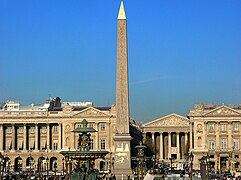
30 165
18 165
55 166
63 165
1 163
39 167
47 159
208 165
190 156
230 158
66 168
217 154
113 163
171 159
9 165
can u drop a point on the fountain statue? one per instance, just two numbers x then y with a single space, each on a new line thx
83 158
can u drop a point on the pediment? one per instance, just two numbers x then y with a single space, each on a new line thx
90 112
169 121
223 111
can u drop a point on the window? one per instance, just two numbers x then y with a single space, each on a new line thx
211 144
43 144
91 125
102 144
211 127
55 128
236 143
32 129
31 144
44 129
20 145
55 144
9 128
102 127
235 126
224 143
223 127
91 144
20 129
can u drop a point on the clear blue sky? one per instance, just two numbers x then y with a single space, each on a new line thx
180 52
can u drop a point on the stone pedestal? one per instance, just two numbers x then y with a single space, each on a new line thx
122 163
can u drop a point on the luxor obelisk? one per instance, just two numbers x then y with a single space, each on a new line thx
122 138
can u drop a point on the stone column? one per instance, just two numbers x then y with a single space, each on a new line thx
97 138
63 138
107 144
153 141
178 145
36 136
13 137
59 140
217 144
1 137
169 145
48 136
204 141
161 146
186 142
229 131
191 137
24 137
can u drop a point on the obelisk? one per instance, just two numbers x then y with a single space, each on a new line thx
122 138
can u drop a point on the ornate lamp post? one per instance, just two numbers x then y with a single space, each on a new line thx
171 159
55 167
18 168
190 156
191 163
31 165
1 163
66 168
47 159
9 165
39 167
217 156
63 165
70 167
208 165
18 165
230 158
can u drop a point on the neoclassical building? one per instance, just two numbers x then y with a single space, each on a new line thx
169 138
215 132
33 136
212 133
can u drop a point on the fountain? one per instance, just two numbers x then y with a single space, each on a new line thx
83 157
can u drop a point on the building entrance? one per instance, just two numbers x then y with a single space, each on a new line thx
223 163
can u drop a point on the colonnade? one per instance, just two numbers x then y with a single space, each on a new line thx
168 145
29 136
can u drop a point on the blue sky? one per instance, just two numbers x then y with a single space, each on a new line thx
180 53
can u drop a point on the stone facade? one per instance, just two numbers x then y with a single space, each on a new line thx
168 137
216 132
211 131
33 134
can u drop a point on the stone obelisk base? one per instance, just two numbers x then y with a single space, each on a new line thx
122 166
